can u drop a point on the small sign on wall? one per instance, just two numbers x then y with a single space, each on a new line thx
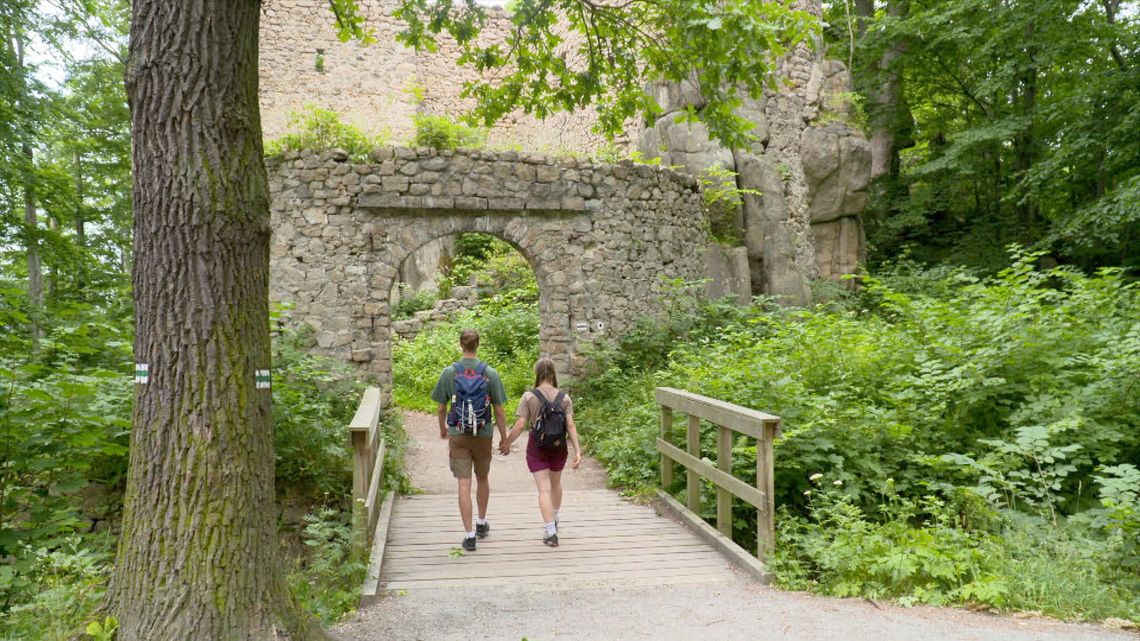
582 326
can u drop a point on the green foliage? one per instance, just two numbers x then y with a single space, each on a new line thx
506 317
441 132
351 23
502 274
619 52
104 630
1017 122
327 581
317 129
508 342
1119 518
313 400
915 551
411 301
723 198
959 414
50 592
64 421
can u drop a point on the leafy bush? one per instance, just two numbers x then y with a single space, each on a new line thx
440 132
64 425
915 551
317 129
412 301
500 271
51 592
508 341
982 402
327 582
314 399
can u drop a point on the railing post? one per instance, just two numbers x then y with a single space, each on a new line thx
692 479
724 441
766 483
361 470
666 462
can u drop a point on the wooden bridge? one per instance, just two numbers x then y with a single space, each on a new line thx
605 539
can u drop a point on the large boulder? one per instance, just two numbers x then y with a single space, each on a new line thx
772 245
839 246
685 144
837 165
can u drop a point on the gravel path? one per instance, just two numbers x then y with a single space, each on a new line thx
736 609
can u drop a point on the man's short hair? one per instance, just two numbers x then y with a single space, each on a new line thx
469 340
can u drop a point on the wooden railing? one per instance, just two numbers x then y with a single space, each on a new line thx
729 420
367 467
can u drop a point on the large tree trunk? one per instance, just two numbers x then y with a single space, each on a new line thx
198 556
31 228
31 220
891 121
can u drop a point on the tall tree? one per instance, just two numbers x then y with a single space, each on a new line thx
1025 125
16 20
198 556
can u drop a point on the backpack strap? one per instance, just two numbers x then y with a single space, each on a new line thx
556 403
542 402
481 369
458 367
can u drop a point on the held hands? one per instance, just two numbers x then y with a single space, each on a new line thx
504 445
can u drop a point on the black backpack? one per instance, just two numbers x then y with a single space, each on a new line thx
549 428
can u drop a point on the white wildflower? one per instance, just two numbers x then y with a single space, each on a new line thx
815 477
807 492
837 483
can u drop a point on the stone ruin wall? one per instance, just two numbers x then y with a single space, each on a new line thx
602 239
811 167
371 86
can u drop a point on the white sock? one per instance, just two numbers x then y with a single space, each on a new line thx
551 529
479 521
471 534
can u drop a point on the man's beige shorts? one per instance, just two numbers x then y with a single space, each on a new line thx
466 452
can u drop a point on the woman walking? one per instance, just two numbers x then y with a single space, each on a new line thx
549 413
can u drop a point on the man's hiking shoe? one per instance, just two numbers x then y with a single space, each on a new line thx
481 530
551 540
469 543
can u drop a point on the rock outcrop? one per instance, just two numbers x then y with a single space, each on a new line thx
809 165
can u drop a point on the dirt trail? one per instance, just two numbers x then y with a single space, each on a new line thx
737 609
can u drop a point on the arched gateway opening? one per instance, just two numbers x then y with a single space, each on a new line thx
601 239
478 281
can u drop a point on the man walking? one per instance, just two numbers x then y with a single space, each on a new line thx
473 389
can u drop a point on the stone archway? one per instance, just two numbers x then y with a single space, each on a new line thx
557 313
601 239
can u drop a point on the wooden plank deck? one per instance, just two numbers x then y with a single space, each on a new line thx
605 540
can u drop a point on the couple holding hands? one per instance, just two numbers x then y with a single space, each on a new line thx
475 391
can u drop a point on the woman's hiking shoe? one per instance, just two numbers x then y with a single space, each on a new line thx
551 540
481 530
469 543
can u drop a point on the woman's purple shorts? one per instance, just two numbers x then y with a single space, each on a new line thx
539 459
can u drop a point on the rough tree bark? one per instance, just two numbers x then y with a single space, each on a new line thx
31 226
31 219
198 556
891 121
